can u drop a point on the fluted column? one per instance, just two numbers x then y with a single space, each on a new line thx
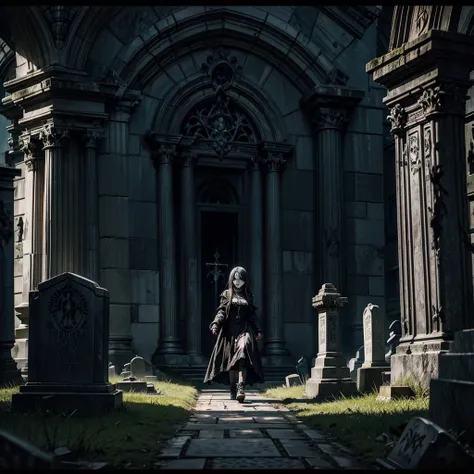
256 236
274 162
91 139
169 343
190 253
8 369
63 236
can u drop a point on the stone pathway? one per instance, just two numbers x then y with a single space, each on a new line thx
258 434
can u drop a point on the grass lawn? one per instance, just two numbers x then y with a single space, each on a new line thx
356 422
132 437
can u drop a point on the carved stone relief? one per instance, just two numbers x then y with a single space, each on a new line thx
414 152
427 151
398 118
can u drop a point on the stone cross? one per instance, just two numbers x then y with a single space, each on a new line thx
330 374
68 348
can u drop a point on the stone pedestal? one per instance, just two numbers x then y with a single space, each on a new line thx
456 384
68 366
369 376
427 80
330 375
21 337
9 372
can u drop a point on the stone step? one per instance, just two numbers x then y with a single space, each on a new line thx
456 367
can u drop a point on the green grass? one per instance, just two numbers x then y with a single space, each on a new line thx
132 437
356 422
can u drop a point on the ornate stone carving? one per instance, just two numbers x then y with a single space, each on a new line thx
6 225
221 67
221 123
20 228
273 162
398 118
325 118
164 155
414 151
52 136
31 149
92 138
427 152
188 158
443 98
421 19
439 210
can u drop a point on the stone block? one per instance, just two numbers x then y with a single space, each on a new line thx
375 211
143 220
292 380
142 179
394 392
113 176
136 386
299 337
142 118
300 263
113 253
365 232
109 208
370 379
148 313
145 338
303 200
367 120
284 94
356 210
297 230
305 153
365 260
363 154
119 324
424 445
118 283
106 41
357 285
145 286
376 286
299 289
143 254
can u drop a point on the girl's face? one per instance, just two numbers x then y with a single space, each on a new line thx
238 282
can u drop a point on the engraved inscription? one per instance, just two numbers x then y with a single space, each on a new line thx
322 332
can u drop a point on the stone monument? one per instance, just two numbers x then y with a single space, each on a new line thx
136 380
356 363
9 372
330 374
369 376
456 384
68 362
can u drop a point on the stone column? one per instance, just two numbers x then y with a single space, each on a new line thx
273 162
32 239
169 344
256 236
91 195
330 375
190 253
64 228
427 81
8 368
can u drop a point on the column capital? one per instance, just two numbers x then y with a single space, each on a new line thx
274 156
188 158
92 137
255 163
53 136
165 154
31 147
328 298
330 118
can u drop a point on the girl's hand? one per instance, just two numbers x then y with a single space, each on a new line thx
259 336
214 331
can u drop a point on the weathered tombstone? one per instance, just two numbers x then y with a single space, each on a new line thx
69 335
111 369
330 375
356 363
137 367
369 376
455 383
302 369
9 372
293 380
395 333
424 445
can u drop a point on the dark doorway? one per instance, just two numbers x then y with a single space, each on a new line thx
219 237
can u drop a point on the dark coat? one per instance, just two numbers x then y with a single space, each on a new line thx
236 339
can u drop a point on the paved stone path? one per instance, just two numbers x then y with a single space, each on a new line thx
258 434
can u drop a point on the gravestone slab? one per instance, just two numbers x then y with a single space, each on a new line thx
68 347
292 380
369 376
424 445
137 367
330 375
356 363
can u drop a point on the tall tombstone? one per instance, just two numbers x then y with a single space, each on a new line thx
427 77
68 351
8 368
369 376
330 375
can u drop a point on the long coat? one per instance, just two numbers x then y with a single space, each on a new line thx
232 345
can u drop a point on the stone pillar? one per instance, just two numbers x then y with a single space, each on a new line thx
273 162
190 253
169 344
330 375
32 240
427 81
8 368
256 236
91 195
64 228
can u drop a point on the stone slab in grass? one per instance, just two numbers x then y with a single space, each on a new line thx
209 448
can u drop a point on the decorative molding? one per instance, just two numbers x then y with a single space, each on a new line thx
221 67
414 152
165 154
188 158
328 118
53 136
274 162
427 145
443 98
92 138
31 149
274 156
398 119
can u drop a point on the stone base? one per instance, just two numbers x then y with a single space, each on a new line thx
370 378
451 406
389 392
293 380
84 403
320 390
418 361
132 386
